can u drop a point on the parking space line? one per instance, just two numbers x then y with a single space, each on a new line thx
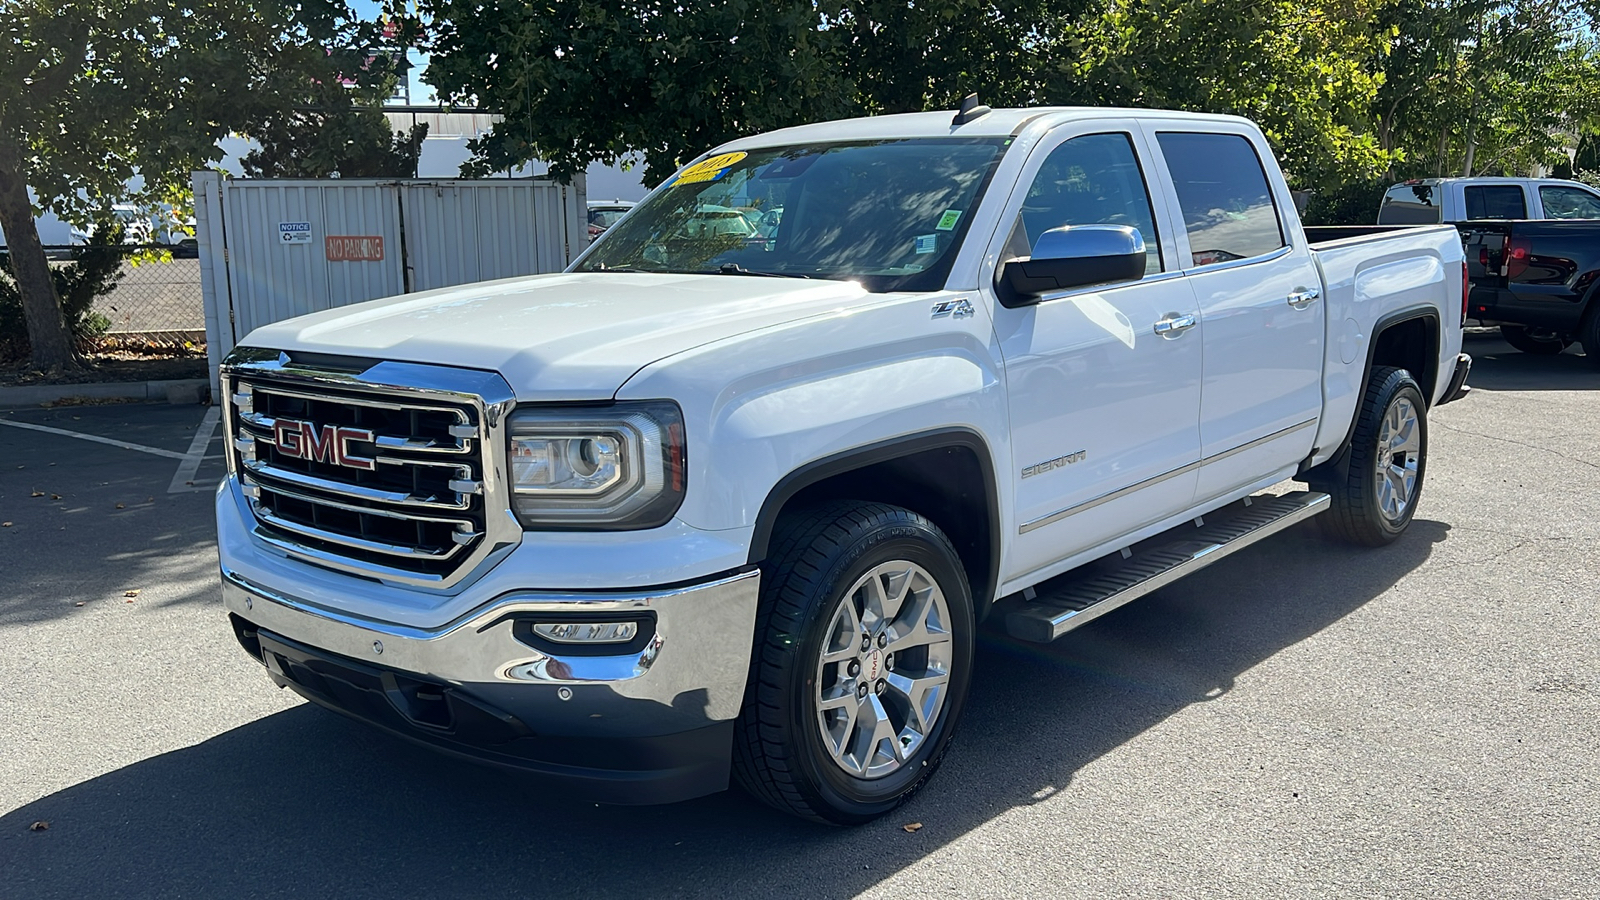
155 451
183 479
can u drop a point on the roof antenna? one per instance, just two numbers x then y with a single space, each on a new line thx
971 110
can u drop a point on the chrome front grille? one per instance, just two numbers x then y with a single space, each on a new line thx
356 472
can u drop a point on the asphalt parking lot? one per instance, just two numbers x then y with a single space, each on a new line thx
1299 720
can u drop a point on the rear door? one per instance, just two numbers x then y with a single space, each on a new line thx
1104 409
1261 310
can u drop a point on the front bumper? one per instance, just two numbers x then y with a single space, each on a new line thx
648 723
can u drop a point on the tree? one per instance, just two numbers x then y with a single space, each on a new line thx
1303 71
337 128
94 93
584 80
1486 86
579 81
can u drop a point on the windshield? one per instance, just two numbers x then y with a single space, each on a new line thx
886 213
605 217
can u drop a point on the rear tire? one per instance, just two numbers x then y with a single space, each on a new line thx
1375 482
1532 341
862 657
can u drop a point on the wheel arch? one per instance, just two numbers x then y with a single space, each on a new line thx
1416 337
946 474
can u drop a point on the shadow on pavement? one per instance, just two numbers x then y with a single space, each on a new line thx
1497 366
304 803
88 521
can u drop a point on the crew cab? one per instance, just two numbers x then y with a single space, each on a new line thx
709 503
1532 248
1433 201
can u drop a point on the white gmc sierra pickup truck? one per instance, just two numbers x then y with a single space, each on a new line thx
733 492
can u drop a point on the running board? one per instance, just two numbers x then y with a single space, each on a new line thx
1057 610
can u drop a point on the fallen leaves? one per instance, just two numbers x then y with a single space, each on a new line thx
39 826
5 524
37 494
119 506
55 496
132 592
911 827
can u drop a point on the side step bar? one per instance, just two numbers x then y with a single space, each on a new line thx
1059 609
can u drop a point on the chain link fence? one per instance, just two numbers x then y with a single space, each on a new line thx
155 295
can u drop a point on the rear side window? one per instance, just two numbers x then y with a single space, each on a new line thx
1498 201
1222 190
1410 204
1568 203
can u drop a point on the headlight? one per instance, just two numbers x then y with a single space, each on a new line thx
608 467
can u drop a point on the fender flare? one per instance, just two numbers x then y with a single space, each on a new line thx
1383 324
844 461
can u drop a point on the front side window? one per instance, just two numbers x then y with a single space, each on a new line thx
886 213
1089 180
1500 201
1569 203
1410 204
1222 190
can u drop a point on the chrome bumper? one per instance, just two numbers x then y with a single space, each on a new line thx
690 673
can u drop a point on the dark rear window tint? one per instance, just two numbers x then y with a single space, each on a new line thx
1410 204
1500 201
1222 190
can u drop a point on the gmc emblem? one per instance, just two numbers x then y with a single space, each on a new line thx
302 440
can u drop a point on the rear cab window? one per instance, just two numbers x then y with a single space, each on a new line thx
1413 203
1495 201
1222 188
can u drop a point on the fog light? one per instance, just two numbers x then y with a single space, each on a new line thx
587 632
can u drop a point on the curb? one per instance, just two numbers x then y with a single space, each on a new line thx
176 391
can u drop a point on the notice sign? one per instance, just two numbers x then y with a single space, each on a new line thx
354 248
294 232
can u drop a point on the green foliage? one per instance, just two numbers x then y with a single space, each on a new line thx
95 94
1346 203
1486 87
586 80
1350 92
94 271
1303 71
345 142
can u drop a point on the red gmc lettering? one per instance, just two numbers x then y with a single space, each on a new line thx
328 444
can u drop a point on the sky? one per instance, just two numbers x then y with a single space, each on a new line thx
421 94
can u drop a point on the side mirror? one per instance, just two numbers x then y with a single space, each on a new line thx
1073 256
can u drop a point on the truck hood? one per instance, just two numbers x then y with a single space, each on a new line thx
575 336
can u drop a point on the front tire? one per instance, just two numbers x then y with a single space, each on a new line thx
1534 342
1375 483
862 658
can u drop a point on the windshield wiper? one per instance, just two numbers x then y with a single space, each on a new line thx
736 269
602 267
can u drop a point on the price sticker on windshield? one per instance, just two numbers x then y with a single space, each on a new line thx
708 169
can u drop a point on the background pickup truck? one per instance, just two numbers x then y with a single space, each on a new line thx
1532 248
716 501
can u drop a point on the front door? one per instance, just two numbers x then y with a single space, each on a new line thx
1104 410
1261 310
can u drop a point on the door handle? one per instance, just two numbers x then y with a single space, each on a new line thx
1174 325
1303 299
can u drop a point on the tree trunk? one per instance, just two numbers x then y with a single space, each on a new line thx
47 330
1472 151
